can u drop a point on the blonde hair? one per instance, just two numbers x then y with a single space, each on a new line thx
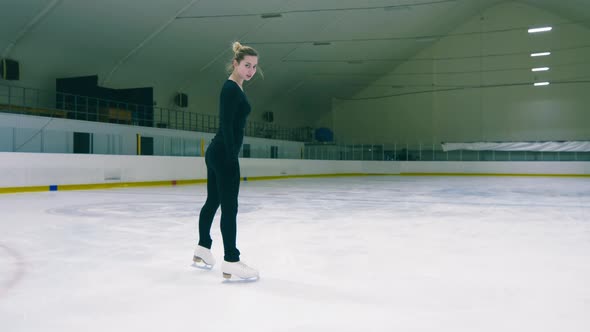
240 51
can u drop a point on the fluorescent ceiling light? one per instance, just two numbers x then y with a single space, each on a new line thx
540 69
398 7
543 29
540 54
425 39
271 15
541 83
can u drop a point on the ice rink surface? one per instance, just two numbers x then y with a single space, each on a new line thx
391 253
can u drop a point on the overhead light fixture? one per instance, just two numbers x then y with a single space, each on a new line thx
540 69
540 54
541 83
271 15
425 39
321 43
543 29
401 7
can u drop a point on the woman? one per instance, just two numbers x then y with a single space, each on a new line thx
223 168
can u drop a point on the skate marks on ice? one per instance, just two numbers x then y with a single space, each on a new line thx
165 210
321 293
12 269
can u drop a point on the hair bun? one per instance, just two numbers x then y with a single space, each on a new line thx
236 47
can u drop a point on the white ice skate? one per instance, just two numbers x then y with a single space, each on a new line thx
238 269
204 256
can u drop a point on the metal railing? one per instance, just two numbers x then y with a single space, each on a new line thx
429 152
63 105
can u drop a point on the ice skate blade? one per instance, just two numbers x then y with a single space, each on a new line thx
227 278
198 262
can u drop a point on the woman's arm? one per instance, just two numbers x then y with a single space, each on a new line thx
228 109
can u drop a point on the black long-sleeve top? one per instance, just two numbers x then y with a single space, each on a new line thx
234 109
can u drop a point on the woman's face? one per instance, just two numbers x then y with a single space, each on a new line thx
247 67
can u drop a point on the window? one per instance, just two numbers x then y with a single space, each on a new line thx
147 146
82 142
246 151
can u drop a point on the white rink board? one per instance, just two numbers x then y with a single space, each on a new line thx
40 169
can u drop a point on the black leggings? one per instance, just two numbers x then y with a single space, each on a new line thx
223 186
